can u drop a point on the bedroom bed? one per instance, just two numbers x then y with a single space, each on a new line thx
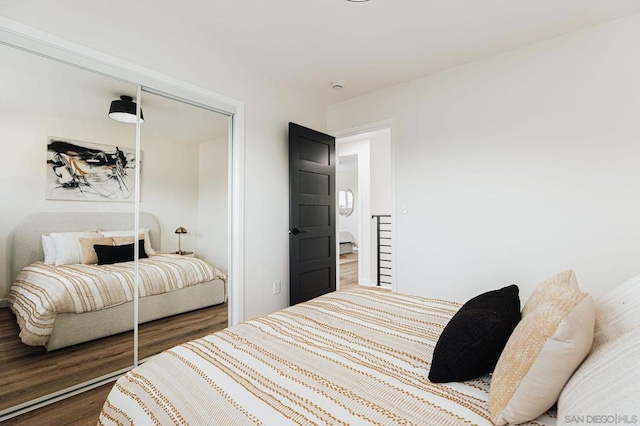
349 357
70 327
363 356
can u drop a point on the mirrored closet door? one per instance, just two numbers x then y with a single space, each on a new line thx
67 197
184 185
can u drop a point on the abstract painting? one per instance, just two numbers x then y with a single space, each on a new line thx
83 171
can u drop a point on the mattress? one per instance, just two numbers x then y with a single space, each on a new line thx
349 357
40 292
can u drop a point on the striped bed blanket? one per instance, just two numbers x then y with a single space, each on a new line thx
348 358
42 291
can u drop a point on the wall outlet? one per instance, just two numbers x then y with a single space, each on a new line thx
277 287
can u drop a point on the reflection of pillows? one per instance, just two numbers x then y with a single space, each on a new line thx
120 241
544 350
147 241
67 247
116 254
472 341
49 249
89 256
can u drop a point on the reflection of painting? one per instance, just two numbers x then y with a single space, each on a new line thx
84 171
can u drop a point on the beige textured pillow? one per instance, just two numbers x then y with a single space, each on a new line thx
147 240
543 351
607 385
89 256
120 241
617 312
551 288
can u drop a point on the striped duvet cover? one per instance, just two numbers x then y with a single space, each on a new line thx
42 291
349 357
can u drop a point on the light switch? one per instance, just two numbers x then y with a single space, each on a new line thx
403 206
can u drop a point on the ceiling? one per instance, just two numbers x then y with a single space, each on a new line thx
307 44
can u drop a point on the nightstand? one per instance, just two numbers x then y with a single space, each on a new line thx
185 253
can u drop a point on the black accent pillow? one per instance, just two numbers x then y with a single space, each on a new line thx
474 338
116 254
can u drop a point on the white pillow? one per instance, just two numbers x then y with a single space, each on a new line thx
617 312
49 249
606 386
147 241
68 250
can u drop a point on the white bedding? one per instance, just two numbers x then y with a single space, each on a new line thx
351 357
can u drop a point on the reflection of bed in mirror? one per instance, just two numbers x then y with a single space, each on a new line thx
70 328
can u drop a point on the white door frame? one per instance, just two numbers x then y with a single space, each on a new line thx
383 124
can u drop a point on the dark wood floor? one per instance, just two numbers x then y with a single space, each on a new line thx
79 410
29 372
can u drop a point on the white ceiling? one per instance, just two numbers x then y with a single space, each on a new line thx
309 43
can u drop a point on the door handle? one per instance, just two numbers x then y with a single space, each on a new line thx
296 231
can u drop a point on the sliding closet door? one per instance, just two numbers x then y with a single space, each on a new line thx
184 186
67 168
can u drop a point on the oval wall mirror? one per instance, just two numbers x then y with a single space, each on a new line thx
345 202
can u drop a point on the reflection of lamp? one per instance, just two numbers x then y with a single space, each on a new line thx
181 230
124 109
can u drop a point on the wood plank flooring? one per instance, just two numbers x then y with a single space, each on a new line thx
30 372
349 274
80 410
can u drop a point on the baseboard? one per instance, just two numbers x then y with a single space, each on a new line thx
4 303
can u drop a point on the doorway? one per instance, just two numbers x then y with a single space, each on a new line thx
348 220
365 168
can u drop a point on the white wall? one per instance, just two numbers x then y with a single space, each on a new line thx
348 179
213 203
169 188
517 167
381 172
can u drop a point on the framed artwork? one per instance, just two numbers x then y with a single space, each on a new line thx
84 171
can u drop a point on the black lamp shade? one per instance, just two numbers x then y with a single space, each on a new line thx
124 110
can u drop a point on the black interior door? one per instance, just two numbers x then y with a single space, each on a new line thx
312 229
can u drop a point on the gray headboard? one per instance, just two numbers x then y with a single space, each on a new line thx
25 241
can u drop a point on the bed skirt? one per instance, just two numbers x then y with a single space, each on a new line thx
71 329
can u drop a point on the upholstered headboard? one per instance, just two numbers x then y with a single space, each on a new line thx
25 242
